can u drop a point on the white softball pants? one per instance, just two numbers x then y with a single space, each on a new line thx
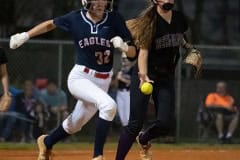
91 93
123 105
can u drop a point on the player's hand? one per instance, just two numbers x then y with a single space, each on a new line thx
119 43
84 2
144 78
18 39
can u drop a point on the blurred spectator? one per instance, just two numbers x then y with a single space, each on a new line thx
14 93
222 104
7 122
41 118
25 103
35 91
41 83
56 101
112 91
123 93
20 117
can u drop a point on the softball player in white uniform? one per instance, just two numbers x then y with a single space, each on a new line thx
96 30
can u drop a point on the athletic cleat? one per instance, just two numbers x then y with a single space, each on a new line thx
44 153
100 157
145 154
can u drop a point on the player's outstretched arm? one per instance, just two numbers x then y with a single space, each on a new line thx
41 28
143 66
123 46
19 39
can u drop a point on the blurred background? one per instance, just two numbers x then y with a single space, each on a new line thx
215 31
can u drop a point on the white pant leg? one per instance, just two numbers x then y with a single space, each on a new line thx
91 91
81 114
123 106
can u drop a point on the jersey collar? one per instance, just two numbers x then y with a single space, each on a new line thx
93 26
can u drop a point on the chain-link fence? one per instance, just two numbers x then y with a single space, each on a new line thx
54 59
42 58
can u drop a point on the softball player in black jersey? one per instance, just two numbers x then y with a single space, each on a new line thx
158 34
5 99
4 74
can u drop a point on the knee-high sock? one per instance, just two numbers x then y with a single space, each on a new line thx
102 129
57 135
125 143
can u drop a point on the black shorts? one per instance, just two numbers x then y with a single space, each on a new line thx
221 110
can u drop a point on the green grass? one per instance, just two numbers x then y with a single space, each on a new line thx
21 146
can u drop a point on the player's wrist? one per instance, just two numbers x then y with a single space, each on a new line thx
7 94
18 39
25 36
124 47
142 75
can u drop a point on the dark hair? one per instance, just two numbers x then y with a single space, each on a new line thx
38 102
52 81
223 82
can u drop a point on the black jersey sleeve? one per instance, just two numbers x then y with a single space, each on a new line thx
121 28
184 21
181 20
3 57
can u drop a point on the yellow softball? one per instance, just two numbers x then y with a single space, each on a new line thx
146 88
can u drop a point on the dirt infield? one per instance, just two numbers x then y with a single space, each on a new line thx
158 154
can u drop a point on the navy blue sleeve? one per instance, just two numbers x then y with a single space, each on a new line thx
121 29
63 22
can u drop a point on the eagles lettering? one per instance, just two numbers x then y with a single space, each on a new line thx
94 41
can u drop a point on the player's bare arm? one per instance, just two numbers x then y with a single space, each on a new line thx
4 76
41 28
20 38
142 61
185 44
143 66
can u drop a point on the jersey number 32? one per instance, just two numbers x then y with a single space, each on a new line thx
102 57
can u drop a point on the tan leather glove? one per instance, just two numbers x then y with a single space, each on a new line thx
5 102
195 59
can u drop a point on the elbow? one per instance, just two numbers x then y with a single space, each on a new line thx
131 52
50 25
